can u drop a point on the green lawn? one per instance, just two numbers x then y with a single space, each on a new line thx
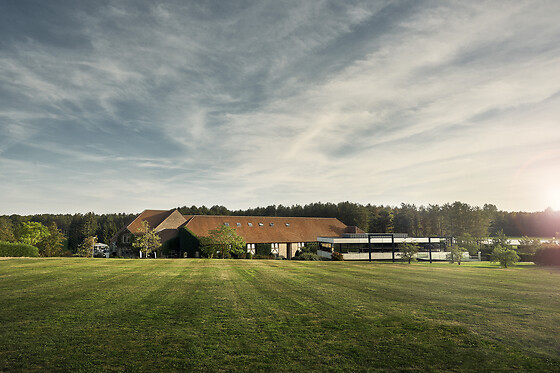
252 315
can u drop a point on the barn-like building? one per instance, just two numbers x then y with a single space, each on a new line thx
285 235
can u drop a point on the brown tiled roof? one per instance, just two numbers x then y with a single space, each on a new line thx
273 229
167 234
153 217
172 221
157 219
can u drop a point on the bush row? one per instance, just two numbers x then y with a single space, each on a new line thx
17 249
547 256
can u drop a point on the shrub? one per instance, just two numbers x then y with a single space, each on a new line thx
456 254
524 257
310 247
307 256
258 256
336 256
249 255
263 249
504 255
18 249
408 251
547 256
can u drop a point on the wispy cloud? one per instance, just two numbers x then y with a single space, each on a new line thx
165 103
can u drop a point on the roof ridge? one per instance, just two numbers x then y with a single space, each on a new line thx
259 216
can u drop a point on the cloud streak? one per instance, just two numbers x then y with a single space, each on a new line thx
166 103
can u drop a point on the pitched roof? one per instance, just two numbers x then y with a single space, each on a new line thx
158 220
268 229
153 217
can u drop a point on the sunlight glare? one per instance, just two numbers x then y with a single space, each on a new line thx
554 199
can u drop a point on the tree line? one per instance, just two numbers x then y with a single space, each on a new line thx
73 229
450 219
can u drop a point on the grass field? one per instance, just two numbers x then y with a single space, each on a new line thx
251 315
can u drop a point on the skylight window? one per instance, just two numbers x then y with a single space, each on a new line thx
250 224
239 224
272 224
287 224
261 224
226 224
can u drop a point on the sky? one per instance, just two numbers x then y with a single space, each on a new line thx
121 106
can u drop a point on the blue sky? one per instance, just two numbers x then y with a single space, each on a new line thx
119 106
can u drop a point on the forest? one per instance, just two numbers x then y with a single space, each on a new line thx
450 219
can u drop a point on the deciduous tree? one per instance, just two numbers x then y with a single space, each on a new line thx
456 254
408 251
148 241
6 230
51 245
501 240
505 255
32 232
223 241
85 249
468 242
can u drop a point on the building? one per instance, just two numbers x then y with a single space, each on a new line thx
382 246
285 235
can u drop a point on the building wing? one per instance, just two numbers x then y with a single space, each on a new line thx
266 229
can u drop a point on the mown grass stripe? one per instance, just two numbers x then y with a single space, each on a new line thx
220 315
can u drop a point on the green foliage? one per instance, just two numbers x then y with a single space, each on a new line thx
17 249
207 248
408 251
223 241
53 243
310 247
32 233
336 256
148 241
6 230
501 240
263 250
307 256
456 254
189 243
382 221
548 255
88 226
85 249
468 242
505 255
528 247
79 226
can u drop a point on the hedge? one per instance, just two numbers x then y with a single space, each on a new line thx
263 250
8 249
547 256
